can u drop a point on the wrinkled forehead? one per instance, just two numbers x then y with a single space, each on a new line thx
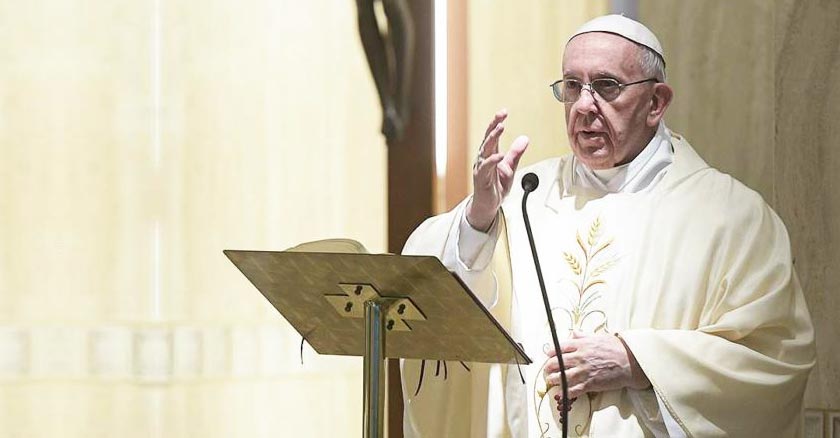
600 53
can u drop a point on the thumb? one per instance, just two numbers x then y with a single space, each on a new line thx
517 149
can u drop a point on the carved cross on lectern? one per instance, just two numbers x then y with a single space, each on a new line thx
351 304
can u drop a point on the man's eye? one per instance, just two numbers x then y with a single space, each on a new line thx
605 85
572 85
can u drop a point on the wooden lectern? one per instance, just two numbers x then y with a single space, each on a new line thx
378 306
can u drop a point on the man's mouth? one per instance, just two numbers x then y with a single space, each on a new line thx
590 134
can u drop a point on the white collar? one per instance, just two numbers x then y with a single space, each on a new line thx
638 175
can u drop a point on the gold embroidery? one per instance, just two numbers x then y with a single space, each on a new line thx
588 267
587 275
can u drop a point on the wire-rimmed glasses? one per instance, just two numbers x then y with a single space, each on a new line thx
568 90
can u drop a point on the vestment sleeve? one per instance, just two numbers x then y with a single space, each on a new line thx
475 248
743 370
453 406
441 236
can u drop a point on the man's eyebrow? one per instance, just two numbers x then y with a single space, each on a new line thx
595 75
604 74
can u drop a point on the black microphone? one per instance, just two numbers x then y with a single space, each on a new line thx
530 182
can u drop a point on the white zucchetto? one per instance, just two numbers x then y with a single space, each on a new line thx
625 27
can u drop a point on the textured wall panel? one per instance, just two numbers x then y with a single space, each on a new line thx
808 154
756 95
720 63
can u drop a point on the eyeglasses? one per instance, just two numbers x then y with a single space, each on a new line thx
568 90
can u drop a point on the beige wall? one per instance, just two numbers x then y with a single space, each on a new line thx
807 155
515 54
756 94
140 139
720 62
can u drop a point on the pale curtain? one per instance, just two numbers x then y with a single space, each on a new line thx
139 140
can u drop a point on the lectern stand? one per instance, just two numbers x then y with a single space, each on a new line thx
345 304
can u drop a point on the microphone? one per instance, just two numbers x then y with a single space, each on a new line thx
530 182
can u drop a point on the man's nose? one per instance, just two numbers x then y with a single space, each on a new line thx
586 102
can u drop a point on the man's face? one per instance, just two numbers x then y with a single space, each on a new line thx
607 134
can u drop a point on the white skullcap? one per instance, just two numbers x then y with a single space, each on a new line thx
625 27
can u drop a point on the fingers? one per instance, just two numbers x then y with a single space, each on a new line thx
555 379
500 116
576 381
576 391
505 174
517 149
507 168
490 145
565 346
486 169
573 374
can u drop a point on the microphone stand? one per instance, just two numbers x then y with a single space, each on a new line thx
530 182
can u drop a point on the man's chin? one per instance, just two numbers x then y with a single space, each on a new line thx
598 165
595 159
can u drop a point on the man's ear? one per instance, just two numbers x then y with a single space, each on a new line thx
659 101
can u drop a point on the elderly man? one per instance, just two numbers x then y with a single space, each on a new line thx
671 284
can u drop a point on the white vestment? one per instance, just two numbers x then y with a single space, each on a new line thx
691 268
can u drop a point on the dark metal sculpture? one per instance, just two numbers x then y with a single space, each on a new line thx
389 48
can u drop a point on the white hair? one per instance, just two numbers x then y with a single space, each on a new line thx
653 66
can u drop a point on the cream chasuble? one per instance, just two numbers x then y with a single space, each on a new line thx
690 267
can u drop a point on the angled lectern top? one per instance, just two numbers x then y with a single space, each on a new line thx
434 315
377 306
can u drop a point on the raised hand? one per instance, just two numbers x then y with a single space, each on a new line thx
493 174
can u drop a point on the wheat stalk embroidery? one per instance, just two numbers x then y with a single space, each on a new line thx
588 267
588 263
